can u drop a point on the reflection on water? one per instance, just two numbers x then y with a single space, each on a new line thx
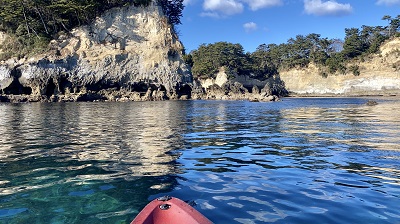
351 126
130 141
295 161
61 152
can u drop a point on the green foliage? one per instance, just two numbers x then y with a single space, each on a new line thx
335 63
173 10
355 69
393 27
373 37
353 44
262 63
298 52
208 59
305 49
19 46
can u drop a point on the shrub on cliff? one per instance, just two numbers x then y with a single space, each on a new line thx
355 69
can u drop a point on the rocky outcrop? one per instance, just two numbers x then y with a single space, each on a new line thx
238 87
129 53
379 74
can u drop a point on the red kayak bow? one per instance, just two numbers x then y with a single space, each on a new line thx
169 210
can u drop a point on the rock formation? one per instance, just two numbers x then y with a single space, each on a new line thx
133 54
238 87
379 74
129 53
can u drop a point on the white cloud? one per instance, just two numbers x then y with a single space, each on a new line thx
259 4
249 27
329 8
221 8
388 2
210 14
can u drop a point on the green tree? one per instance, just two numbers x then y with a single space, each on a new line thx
208 59
335 63
320 48
373 37
394 25
353 44
262 63
173 10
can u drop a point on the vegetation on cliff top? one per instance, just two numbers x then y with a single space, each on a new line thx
31 24
330 55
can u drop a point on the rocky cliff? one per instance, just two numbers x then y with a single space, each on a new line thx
129 53
238 87
379 74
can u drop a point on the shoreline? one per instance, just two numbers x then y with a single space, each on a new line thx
372 93
342 96
8 98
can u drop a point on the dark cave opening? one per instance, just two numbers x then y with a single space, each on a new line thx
50 88
139 87
65 84
185 90
16 88
103 85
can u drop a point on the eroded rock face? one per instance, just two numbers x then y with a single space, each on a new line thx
129 53
5 77
379 74
238 88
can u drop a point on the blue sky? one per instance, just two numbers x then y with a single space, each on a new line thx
254 22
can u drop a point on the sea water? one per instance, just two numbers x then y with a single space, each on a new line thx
300 160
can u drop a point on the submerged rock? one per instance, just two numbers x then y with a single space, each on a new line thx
371 103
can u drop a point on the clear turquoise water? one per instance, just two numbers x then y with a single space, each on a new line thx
316 160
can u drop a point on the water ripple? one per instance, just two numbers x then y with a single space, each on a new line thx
294 161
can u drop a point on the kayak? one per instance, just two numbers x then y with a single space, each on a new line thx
169 210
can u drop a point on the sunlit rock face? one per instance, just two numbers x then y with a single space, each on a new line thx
379 75
129 53
238 87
